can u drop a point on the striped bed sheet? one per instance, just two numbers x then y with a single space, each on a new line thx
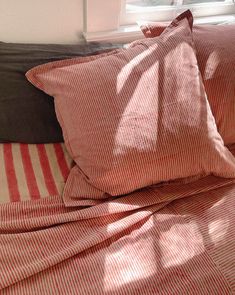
171 240
32 171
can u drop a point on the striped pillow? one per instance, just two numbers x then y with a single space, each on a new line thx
215 46
135 117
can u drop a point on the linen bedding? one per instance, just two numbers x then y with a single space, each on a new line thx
135 244
144 106
171 238
32 171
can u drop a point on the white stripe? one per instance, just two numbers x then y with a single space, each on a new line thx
55 169
20 174
38 171
4 192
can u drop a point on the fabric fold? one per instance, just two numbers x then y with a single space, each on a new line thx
37 235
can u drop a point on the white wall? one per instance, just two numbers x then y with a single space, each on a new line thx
41 21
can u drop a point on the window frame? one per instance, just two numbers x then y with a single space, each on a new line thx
168 13
105 20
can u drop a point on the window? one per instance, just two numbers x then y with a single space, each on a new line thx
162 10
116 19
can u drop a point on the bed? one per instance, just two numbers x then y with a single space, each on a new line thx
171 237
134 245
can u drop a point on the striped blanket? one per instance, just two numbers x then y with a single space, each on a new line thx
174 239
32 171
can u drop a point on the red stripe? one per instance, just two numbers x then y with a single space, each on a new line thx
29 172
46 169
10 173
61 160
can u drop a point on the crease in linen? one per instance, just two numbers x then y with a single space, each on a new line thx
45 245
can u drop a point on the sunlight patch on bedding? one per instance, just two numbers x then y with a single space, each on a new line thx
140 263
139 109
180 244
217 230
220 202
211 65
128 69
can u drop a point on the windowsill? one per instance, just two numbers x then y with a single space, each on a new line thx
131 33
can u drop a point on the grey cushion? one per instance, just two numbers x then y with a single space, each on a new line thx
27 115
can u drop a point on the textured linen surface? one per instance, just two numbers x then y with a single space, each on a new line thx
135 117
32 171
136 244
215 47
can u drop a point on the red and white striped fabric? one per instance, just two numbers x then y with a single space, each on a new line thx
135 117
215 47
173 239
30 172
136 244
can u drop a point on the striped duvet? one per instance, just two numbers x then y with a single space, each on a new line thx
32 171
176 239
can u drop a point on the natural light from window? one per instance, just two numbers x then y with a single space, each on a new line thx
142 4
163 10
120 17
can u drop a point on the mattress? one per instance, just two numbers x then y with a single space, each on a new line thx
174 239
32 171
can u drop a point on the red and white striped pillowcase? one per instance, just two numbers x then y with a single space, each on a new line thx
215 49
32 171
135 117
